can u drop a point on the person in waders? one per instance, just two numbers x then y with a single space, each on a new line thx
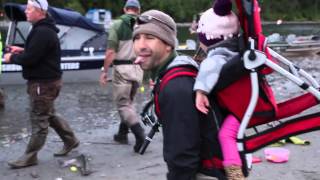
40 61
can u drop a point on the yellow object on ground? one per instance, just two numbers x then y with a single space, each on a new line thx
73 169
142 89
293 139
279 143
297 141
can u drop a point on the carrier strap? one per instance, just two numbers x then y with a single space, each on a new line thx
292 127
188 71
184 71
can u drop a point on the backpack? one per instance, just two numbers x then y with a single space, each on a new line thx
211 156
226 93
186 70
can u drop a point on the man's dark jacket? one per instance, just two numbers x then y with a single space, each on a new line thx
188 135
41 57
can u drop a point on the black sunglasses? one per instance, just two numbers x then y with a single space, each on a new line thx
147 19
38 3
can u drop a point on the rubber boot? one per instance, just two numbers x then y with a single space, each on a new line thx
139 134
30 156
64 131
234 172
122 135
67 148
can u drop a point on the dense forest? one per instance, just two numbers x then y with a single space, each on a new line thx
183 10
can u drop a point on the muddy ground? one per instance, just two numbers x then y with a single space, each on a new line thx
89 109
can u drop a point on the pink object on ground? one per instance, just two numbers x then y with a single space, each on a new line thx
256 159
277 154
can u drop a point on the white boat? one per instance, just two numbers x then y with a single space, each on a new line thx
83 44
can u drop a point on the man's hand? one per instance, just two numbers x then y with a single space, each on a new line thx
15 49
7 57
151 84
202 102
103 79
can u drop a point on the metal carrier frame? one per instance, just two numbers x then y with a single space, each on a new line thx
253 59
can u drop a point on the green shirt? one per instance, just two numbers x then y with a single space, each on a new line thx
120 37
120 30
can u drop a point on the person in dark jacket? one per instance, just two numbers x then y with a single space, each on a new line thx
184 130
40 61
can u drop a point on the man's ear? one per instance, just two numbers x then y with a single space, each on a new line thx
169 48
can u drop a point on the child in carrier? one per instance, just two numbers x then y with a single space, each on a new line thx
218 32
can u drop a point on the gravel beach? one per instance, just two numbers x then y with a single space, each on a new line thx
89 109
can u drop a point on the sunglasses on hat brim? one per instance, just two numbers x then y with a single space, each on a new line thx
144 19
38 3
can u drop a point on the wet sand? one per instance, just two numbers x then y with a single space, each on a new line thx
89 109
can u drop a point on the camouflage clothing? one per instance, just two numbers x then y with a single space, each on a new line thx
42 115
40 63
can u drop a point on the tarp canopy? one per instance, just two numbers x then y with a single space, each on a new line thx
15 12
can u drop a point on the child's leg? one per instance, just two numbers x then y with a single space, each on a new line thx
231 158
227 139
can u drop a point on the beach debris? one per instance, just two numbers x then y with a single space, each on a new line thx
80 163
142 89
277 154
34 174
279 143
293 140
297 141
256 160
69 163
84 168
73 168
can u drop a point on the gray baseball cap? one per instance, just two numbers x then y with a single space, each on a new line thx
132 3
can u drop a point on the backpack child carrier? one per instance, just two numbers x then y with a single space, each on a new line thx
211 161
257 104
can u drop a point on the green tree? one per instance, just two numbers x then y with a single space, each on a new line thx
183 10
